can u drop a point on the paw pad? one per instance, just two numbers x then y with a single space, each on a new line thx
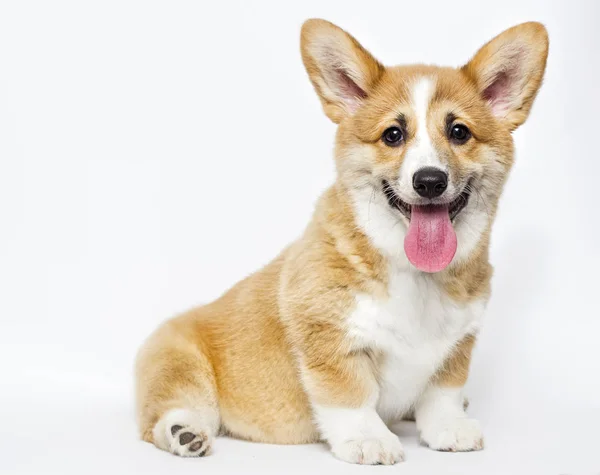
186 438
188 443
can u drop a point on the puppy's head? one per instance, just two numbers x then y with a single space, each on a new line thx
431 145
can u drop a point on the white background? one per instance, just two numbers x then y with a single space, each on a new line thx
153 153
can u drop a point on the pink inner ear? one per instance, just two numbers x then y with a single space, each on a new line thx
502 93
349 90
498 95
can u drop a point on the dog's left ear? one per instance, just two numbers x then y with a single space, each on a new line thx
508 71
342 72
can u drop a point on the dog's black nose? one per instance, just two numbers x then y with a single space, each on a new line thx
430 182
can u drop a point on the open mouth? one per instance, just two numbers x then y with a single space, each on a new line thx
430 241
454 207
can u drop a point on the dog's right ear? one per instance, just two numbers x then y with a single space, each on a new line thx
341 70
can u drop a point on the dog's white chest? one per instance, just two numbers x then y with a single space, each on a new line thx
415 328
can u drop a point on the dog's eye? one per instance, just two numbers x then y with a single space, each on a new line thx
459 133
393 136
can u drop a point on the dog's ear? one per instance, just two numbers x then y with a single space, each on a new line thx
508 71
341 70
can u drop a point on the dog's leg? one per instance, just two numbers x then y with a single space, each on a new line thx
351 425
440 412
176 394
410 415
343 391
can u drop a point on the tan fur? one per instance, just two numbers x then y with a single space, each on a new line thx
277 340
455 371
470 279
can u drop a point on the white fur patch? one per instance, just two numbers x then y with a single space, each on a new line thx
469 226
358 435
421 153
416 328
443 424
381 224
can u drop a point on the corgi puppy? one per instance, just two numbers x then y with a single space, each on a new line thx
371 315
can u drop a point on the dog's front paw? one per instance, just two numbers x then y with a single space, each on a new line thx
386 450
453 435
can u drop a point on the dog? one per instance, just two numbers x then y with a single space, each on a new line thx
372 314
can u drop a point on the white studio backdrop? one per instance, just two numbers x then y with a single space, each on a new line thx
154 153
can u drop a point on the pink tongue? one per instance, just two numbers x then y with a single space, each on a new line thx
430 243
